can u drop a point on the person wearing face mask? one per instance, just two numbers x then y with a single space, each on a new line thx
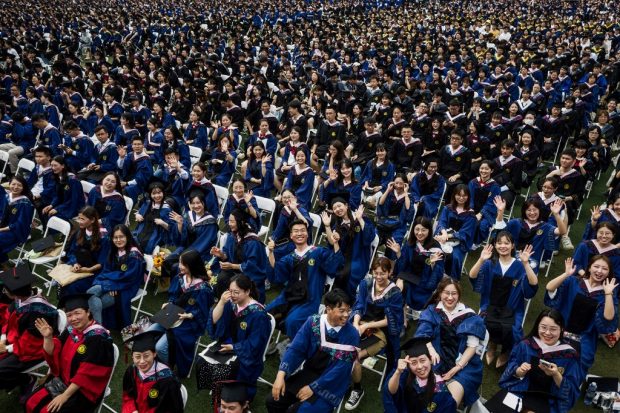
588 303
504 283
454 333
413 386
328 345
80 361
241 327
108 201
543 369
149 386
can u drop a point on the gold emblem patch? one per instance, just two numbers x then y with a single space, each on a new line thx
566 186
243 325
515 283
431 407
81 349
153 393
124 267
539 232
458 159
191 301
14 211
311 261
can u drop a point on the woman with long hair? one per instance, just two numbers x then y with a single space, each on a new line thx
16 212
259 173
107 199
153 219
242 199
483 191
300 179
377 175
603 244
342 180
68 196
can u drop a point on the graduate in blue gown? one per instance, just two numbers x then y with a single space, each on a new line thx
413 387
68 196
343 180
395 211
304 272
427 189
88 248
291 211
483 191
79 150
241 327
135 168
588 303
108 201
265 136
609 214
105 156
126 131
242 199
526 373
354 233
118 282
378 317
174 140
16 217
504 283
196 134
222 162
327 344
603 245
456 334
190 290
532 229
153 142
300 179
377 173
419 264
455 230
259 172
243 252
199 181
153 219
176 177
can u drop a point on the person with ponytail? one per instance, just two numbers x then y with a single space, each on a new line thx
413 387
241 327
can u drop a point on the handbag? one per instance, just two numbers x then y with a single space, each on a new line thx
55 386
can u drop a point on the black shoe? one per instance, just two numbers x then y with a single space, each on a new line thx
354 399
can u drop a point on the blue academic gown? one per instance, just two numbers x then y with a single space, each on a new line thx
154 235
302 184
394 210
563 355
384 174
282 231
125 275
269 141
564 300
198 233
254 170
331 386
391 303
123 137
177 184
111 208
541 237
223 171
254 261
586 250
197 134
50 137
520 291
17 215
481 200
354 189
429 195
106 157
137 172
68 198
321 261
197 300
355 244
97 256
212 205
464 226
606 216
152 145
248 331
465 322
84 152
413 259
48 182
442 401
232 203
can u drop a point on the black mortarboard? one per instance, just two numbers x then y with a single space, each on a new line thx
410 276
334 197
234 392
168 316
144 341
18 280
530 401
415 347
74 301
42 244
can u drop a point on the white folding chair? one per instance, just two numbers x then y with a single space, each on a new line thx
195 153
265 205
62 325
316 227
4 163
142 292
64 228
272 322
129 207
222 196
184 395
24 167
87 187
108 391
373 248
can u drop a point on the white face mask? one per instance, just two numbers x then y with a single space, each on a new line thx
528 121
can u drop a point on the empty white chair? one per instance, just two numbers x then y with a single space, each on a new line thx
195 153
50 262
129 207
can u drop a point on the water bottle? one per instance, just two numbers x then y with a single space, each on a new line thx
587 399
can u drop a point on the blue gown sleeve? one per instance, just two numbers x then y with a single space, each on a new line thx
250 351
298 350
118 280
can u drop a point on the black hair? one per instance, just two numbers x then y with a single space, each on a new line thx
553 314
192 260
426 223
26 189
457 190
246 284
335 298
131 242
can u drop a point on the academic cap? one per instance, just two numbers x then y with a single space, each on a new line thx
144 341
168 316
18 280
334 197
234 392
74 301
415 347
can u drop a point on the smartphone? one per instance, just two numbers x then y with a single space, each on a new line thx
545 363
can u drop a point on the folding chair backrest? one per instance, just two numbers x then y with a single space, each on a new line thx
316 227
25 167
62 321
87 187
129 207
222 195
59 225
272 322
266 205
184 394
195 153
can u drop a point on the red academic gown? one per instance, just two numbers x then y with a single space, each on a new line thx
81 357
159 392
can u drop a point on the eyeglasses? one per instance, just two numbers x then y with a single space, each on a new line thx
450 293
543 328
234 292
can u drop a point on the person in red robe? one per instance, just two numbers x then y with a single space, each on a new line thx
149 386
81 361
21 345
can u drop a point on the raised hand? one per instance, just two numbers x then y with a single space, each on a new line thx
556 207
525 255
596 213
487 252
326 218
359 213
499 202
44 328
569 266
609 286
436 256
393 245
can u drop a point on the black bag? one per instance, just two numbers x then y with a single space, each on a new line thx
55 387
296 290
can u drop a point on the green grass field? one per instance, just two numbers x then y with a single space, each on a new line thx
607 360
